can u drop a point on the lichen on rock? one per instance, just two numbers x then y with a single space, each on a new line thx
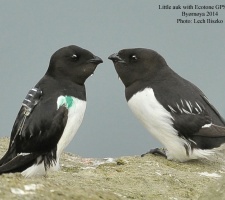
130 177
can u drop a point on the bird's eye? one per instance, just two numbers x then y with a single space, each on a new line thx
134 57
74 57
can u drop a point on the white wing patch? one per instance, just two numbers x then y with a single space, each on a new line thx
207 125
186 107
199 106
197 110
189 106
171 108
182 102
185 111
179 108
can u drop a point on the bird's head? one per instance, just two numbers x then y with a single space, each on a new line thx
73 63
137 64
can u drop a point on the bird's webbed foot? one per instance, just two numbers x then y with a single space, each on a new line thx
156 151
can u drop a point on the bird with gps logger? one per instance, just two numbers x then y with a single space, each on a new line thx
50 114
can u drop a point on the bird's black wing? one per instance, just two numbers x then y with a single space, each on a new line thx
188 117
193 122
193 116
31 100
213 109
36 130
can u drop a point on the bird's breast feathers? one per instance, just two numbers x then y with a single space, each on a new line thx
76 109
152 114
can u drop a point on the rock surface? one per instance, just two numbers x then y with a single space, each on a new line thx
150 177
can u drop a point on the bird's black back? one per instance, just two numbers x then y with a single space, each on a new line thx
43 114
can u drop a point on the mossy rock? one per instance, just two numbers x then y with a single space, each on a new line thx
131 177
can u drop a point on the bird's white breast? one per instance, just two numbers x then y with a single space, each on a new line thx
76 109
158 122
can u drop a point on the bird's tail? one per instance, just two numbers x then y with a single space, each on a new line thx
210 137
9 155
18 163
12 162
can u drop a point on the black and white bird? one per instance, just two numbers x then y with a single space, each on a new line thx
172 109
50 114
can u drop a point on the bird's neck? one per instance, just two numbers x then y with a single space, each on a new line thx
49 84
148 81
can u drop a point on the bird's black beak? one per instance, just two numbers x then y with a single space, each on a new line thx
115 58
96 60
